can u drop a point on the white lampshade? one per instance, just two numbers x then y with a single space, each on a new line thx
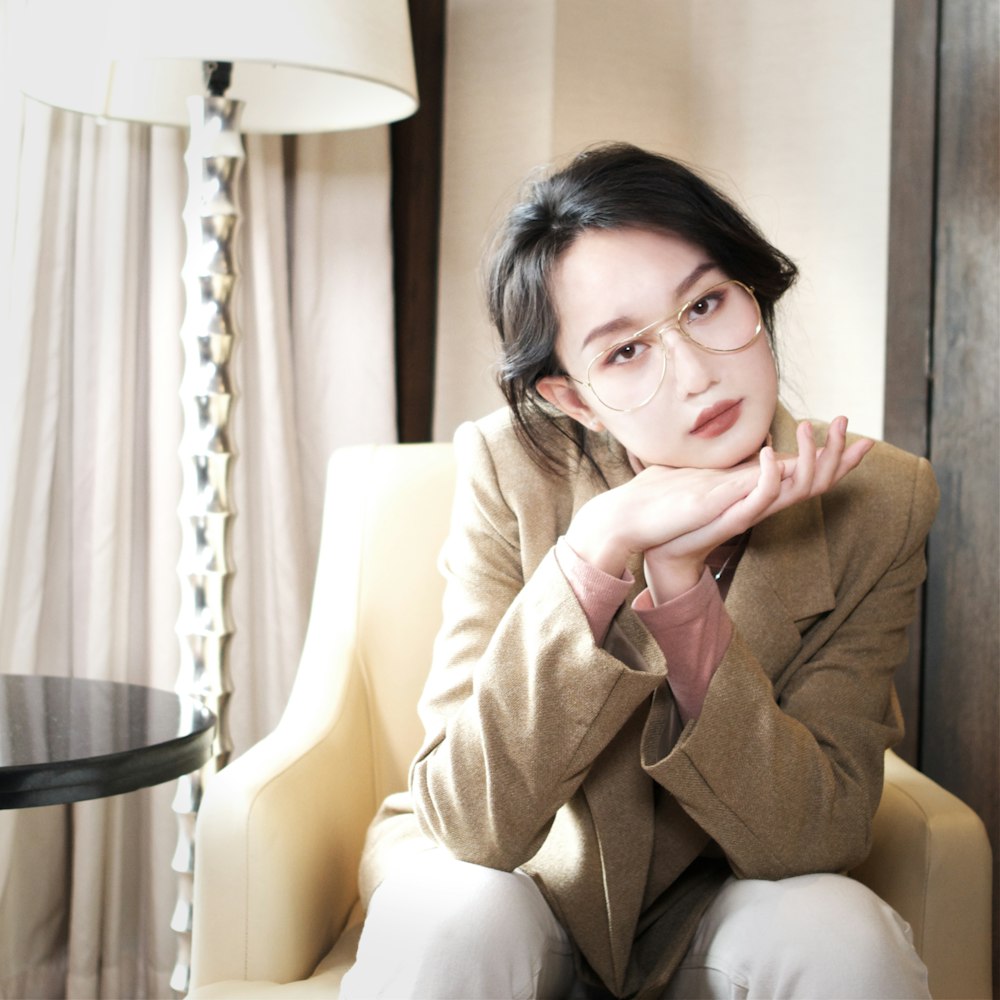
298 65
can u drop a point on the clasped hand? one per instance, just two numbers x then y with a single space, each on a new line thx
676 517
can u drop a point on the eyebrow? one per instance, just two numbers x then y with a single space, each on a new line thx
628 323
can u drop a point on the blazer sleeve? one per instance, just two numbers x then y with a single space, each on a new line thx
784 770
520 700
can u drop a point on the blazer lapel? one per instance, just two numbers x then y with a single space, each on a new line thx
783 579
781 583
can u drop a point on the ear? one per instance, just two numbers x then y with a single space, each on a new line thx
563 395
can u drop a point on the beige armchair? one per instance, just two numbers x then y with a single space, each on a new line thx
280 830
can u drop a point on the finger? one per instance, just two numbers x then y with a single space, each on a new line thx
768 495
732 490
753 506
805 462
661 504
849 458
854 454
828 460
771 473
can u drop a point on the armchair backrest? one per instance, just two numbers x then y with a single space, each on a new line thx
387 513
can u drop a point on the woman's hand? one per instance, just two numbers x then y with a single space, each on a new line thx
814 470
676 564
676 517
656 507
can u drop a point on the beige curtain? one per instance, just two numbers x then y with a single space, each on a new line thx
783 103
90 308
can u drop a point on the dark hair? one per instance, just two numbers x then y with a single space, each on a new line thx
613 186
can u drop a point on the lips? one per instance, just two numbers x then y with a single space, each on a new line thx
718 418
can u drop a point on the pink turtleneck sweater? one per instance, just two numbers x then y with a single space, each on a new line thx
693 630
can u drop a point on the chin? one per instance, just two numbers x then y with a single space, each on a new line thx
725 454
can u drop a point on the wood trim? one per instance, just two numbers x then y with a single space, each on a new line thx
911 276
416 201
960 729
942 367
911 223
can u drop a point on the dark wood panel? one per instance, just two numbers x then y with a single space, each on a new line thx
911 275
960 738
911 223
416 198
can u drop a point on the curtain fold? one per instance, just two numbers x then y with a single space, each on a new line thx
91 303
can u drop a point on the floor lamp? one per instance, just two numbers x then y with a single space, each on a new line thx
220 68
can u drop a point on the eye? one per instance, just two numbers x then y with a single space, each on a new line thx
705 306
623 354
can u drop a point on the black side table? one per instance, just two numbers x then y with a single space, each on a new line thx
65 739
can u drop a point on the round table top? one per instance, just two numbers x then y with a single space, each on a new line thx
65 739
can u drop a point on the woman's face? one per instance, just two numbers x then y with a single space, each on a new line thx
711 410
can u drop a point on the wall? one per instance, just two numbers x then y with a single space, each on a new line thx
786 106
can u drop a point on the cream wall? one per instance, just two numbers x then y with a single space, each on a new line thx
783 103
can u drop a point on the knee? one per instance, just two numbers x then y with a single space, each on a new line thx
459 905
811 912
446 928
820 935
820 911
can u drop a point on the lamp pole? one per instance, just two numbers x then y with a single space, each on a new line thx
209 335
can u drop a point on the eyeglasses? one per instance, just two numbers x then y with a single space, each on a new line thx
722 320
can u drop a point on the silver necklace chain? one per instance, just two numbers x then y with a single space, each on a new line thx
737 549
722 568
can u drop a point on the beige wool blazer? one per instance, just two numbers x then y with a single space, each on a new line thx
547 752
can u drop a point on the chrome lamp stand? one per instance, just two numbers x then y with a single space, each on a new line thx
214 160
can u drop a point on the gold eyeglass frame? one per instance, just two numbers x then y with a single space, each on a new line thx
664 325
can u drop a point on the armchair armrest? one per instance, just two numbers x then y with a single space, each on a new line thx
931 862
278 840
280 830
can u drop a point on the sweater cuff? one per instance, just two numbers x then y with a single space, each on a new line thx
694 631
600 594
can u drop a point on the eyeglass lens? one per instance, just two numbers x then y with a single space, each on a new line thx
628 374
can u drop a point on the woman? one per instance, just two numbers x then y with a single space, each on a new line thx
660 699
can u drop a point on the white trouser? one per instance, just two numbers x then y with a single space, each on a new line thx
439 928
442 928
813 936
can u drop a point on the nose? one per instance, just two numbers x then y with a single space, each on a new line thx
690 370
